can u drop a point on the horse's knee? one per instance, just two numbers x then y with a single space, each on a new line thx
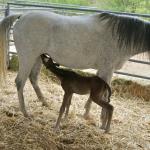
33 78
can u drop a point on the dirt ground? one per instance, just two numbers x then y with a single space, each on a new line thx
130 128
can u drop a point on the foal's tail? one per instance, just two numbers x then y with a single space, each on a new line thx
5 25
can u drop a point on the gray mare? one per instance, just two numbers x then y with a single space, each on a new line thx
99 41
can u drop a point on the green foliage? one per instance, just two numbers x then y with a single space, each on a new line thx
140 6
134 6
74 2
14 63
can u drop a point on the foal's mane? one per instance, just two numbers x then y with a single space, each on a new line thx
133 33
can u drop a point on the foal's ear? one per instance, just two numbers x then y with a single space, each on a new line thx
44 58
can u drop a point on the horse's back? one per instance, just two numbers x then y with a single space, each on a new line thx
38 27
69 40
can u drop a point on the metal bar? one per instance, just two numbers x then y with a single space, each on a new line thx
2 9
139 61
14 53
31 8
132 75
35 2
7 10
80 9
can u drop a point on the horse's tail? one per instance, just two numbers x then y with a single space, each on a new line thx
5 25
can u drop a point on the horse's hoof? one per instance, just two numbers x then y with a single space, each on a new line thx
87 117
45 104
103 127
107 130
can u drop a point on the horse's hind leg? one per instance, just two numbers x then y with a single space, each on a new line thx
34 80
25 66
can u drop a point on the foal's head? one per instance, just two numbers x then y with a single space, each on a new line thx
47 61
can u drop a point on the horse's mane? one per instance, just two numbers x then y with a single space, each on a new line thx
133 33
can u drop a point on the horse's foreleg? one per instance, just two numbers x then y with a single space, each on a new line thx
87 108
34 80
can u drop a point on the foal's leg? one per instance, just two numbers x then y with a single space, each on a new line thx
25 66
68 105
109 116
87 108
109 110
34 80
62 108
104 112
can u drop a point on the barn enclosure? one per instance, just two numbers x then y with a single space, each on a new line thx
130 128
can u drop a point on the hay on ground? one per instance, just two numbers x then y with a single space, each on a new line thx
130 127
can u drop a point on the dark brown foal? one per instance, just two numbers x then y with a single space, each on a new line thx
72 82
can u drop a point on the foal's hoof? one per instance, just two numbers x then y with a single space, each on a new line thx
65 118
107 131
56 129
26 115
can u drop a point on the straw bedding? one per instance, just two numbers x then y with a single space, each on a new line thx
130 127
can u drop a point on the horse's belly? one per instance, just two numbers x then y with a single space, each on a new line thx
75 50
